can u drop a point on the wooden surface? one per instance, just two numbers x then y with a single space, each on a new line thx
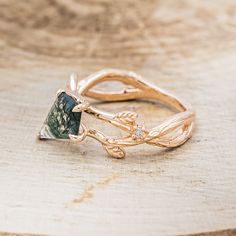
185 46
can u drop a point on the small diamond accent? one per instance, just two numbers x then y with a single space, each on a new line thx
139 133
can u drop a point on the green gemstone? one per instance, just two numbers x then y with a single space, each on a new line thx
61 120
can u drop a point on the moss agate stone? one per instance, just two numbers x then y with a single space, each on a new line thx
61 120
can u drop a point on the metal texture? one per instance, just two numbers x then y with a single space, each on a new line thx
173 132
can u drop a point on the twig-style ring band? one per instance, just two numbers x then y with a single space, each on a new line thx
64 119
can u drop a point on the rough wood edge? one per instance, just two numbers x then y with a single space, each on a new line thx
226 232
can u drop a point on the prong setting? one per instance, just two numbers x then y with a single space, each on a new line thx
164 135
83 106
139 132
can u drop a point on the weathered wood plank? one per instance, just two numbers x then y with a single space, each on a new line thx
187 47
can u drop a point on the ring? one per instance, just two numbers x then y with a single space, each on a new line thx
64 119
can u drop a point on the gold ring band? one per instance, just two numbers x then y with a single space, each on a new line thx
63 120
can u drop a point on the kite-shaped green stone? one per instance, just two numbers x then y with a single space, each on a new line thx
61 120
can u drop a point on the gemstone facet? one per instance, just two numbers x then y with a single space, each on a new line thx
61 120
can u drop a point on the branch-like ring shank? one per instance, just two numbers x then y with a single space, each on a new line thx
171 133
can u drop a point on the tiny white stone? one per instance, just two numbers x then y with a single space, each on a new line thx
138 132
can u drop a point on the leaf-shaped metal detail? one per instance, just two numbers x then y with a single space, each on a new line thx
115 151
126 117
154 133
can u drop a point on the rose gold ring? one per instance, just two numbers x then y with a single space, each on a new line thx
64 119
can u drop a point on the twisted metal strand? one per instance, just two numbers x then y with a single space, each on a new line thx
171 133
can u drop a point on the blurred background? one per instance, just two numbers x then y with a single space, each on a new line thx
103 33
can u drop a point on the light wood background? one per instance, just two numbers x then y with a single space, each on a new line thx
187 47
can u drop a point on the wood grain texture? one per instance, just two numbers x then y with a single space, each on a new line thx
185 46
